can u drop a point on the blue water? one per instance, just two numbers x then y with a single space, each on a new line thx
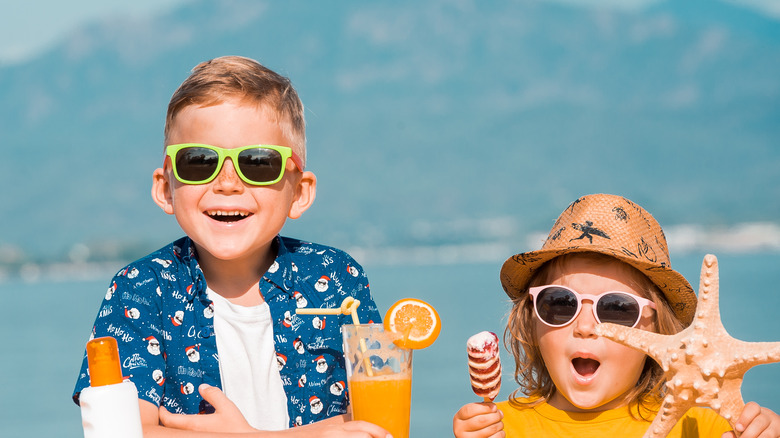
46 324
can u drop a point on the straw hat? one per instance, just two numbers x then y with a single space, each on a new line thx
614 226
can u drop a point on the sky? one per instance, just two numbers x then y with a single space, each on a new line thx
28 27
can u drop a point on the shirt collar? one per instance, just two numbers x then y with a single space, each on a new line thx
185 250
279 274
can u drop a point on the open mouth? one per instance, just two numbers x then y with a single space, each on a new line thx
227 216
585 367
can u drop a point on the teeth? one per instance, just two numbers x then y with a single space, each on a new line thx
227 213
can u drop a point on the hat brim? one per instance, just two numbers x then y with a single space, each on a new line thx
517 271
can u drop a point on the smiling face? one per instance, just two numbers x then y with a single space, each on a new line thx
228 219
591 373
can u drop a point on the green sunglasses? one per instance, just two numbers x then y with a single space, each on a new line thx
259 165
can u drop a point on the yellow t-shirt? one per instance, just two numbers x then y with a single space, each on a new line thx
544 420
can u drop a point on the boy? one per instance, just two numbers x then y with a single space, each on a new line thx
215 310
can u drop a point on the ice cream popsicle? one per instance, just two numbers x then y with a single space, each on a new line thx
484 364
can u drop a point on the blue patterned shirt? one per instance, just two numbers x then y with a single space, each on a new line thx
158 311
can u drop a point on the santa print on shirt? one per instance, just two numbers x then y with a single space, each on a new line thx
158 311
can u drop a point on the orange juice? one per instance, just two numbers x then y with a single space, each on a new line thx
379 374
384 400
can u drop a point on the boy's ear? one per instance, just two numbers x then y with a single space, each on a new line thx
305 192
161 190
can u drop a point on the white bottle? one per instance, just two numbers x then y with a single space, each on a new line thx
109 406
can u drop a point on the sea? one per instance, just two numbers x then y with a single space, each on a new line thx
47 321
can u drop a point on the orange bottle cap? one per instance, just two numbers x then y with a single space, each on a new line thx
103 361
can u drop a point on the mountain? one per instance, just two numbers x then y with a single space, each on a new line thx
429 123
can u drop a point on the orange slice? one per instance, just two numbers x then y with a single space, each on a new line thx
416 320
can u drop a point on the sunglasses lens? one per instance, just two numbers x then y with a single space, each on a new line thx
556 306
260 165
196 164
618 309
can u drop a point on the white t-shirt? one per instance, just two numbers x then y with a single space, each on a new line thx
247 362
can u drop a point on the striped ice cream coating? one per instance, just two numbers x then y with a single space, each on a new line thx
484 364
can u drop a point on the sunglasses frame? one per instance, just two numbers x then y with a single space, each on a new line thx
534 293
222 153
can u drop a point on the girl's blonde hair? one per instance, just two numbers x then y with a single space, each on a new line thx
530 371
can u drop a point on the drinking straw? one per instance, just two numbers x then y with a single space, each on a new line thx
348 307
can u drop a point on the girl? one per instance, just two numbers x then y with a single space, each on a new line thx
605 260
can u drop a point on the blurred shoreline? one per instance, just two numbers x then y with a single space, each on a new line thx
80 265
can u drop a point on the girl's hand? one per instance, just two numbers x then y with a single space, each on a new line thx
756 422
478 420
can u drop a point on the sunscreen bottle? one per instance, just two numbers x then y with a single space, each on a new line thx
109 406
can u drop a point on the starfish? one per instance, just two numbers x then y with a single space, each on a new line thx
703 365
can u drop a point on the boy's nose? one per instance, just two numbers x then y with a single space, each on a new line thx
228 180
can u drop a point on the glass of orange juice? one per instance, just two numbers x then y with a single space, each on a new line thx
379 375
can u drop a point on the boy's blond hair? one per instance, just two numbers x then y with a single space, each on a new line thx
235 77
530 371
